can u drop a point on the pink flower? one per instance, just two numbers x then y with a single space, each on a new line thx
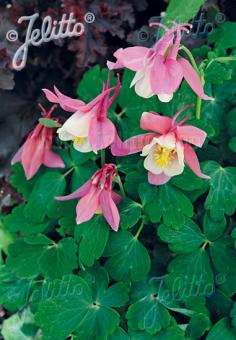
158 71
37 149
164 150
89 128
97 196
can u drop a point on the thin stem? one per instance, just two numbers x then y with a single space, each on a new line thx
68 172
103 158
119 182
205 244
189 54
201 75
139 229
199 100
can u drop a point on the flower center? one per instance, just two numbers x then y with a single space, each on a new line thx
163 156
79 140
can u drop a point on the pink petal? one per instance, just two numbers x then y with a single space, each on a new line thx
88 205
116 197
32 155
166 75
82 191
155 122
192 78
101 133
157 179
73 104
132 145
191 134
17 156
52 160
51 96
131 57
192 161
109 209
67 103
176 115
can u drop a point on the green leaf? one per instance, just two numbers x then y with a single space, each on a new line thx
92 237
48 186
59 258
198 325
130 213
17 221
187 181
148 314
14 291
223 255
171 204
231 122
213 229
14 327
217 73
19 181
178 11
221 330
221 198
191 274
5 238
79 158
184 239
23 259
119 334
132 104
129 259
232 144
91 84
82 173
224 36
49 123
74 309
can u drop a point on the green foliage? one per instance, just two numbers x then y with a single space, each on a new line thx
179 12
169 272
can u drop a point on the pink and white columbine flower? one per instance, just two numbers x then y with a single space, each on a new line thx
37 149
165 150
158 71
97 196
89 128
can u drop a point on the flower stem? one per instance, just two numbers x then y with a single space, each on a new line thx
119 182
68 172
201 75
139 230
191 58
103 158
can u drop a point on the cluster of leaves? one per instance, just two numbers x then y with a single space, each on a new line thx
169 272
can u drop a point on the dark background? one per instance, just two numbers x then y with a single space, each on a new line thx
117 24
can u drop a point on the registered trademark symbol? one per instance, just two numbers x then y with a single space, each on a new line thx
89 17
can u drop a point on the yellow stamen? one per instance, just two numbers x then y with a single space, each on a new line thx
163 156
99 211
79 140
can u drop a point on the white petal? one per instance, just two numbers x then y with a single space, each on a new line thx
174 168
83 146
147 148
180 152
78 124
168 140
151 165
143 85
164 97
64 135
138 75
